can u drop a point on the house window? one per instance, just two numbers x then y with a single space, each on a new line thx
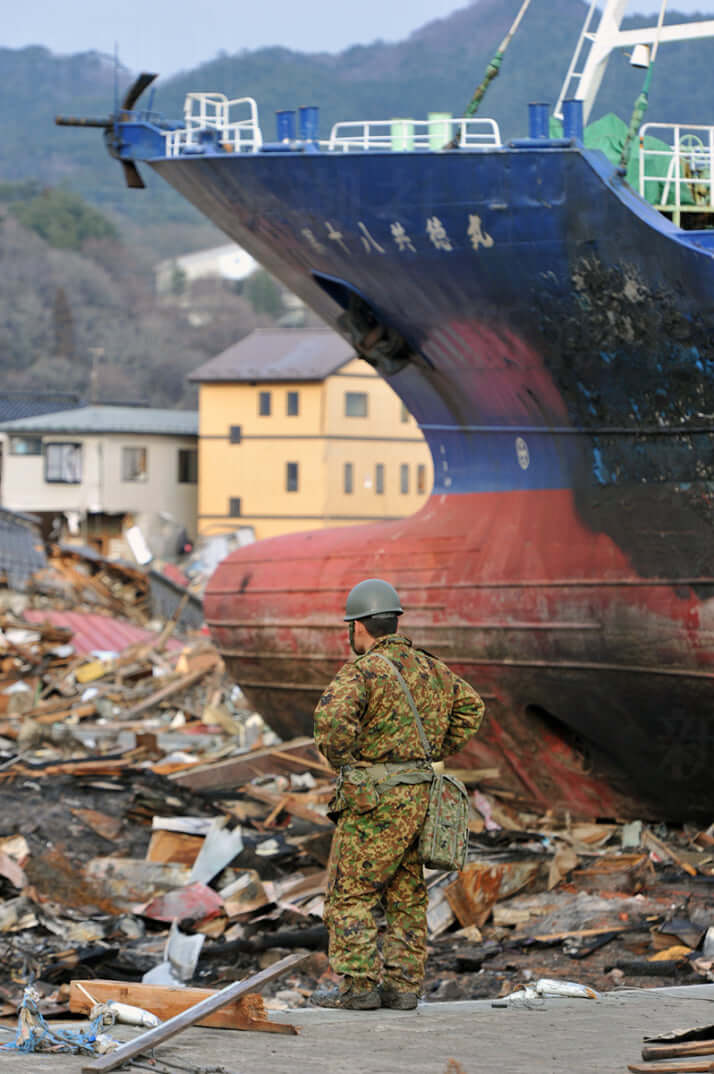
348 478
187 466
421 478
25 445
404 477
404 413
234 507
63 463
264 404
291 477
355 404
292 404
235 434
134 464
379 478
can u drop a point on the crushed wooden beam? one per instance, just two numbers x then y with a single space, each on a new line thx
246 1012
193 1015
235 771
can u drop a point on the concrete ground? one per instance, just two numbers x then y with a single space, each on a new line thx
564 1037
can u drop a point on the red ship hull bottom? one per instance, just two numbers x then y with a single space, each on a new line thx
598 682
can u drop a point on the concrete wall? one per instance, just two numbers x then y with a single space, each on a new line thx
321 439
24 487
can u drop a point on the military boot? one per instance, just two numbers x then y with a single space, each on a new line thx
346 1000
398 1001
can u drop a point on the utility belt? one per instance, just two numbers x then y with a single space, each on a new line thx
359 785
391 773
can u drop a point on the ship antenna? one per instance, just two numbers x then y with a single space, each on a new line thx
638 112
491 72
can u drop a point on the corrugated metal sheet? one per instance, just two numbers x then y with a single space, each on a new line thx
287 354
110 419
21 549
91 631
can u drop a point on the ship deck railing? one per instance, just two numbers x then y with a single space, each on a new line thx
400 135
233 124
676 177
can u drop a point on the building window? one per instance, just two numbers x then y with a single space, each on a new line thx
379 478
348 479
234 507
291 477
292 404
405 413
355 404
25 445
63 464
187 466
264 404
134 464
421 478
235 433
404 477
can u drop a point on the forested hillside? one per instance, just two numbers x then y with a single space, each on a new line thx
90 301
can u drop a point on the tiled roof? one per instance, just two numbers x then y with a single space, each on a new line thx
14 405
91 631
283 354
109 419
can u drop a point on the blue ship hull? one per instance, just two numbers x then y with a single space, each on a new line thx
553 335
573 319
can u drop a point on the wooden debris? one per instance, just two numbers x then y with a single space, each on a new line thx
194 1014
246 1012
677 1050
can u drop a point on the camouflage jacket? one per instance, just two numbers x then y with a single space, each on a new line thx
364 715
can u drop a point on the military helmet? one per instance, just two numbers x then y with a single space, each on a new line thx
373 596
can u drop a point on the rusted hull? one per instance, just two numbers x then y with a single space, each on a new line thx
598 688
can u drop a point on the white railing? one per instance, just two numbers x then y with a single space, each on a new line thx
390 135
682 169
235 123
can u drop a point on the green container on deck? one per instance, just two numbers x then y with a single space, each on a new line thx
402 134
439 129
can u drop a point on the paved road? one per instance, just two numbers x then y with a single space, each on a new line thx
565 1037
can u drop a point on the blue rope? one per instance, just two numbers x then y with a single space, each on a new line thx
39 1036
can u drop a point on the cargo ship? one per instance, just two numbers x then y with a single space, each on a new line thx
550 325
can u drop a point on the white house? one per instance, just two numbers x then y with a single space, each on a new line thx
228 262
92 473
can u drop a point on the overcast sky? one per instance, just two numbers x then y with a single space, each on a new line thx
172 35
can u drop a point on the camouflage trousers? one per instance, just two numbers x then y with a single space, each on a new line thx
374 864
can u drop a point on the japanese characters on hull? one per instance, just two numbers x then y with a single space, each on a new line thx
434 230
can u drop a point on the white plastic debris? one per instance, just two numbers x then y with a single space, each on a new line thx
126 1013
567 989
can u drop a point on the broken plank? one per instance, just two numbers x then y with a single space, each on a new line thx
171 688
677 1050
193 1015
289 802
235 771
247 1012
685 1067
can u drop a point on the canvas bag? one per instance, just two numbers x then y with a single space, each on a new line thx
444 838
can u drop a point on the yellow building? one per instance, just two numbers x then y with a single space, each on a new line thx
296 433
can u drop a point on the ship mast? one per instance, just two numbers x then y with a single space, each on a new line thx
584 84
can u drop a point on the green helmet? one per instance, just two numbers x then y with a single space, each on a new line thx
372 597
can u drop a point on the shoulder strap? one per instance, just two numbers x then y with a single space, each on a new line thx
408 694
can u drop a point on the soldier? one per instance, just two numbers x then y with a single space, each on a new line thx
365 727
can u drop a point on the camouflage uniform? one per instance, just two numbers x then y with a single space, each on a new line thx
363 718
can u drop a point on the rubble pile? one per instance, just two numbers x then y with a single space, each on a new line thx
155 832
